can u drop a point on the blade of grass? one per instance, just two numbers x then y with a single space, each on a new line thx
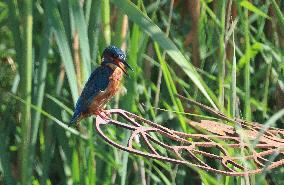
211 13
248 5
171 87
234 83
247 107
63 46
266 85
88 6
146 24
66 19
26 87
270 122
209 178
91 156
38 99
58 122
157 95
222 55
124 159
162 175
41 79
117 37
106 21
81 28
59 103
47 144
279 14
94 29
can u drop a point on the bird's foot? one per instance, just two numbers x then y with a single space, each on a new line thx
104 114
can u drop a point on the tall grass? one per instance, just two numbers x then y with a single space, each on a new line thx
54 45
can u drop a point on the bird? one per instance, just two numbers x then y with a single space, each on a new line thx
102 85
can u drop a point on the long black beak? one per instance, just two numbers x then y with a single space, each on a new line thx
125 64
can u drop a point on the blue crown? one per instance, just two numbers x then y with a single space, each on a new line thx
114 52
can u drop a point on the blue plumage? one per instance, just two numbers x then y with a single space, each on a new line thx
97 82
114 52
96 92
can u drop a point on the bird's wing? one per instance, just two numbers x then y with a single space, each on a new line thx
97 82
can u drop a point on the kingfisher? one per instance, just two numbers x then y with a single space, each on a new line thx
102 85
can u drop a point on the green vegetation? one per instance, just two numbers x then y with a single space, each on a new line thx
226 54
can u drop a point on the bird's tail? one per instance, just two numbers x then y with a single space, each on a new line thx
75 118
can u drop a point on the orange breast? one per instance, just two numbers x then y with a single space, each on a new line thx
103 97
